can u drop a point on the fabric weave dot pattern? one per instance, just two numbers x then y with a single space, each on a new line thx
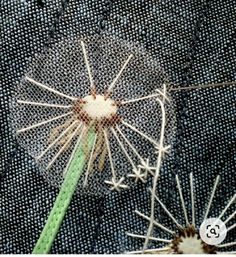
194 42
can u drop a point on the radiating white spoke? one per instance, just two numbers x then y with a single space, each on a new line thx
182 200
230 217
109 155
155 223
231 227
90 161
163 124
56 92
139 99
44 122
87 64
168 213
57 139
157 171
192 199
157 250
140 133
119 74
123 148
151 238
212 196
227 245
44 104
227 206
130 145
64 146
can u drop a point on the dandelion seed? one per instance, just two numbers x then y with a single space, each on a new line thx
186 238
95 83
138 175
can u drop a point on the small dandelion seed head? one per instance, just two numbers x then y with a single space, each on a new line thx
101 83
184 236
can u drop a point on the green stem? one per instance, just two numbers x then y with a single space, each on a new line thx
56 216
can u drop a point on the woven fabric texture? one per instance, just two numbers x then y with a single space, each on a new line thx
194 41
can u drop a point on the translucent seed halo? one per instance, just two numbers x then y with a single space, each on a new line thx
101 83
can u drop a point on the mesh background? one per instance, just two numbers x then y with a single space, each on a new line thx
194 42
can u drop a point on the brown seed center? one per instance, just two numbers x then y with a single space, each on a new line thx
97 110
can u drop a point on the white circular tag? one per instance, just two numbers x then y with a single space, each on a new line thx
213 231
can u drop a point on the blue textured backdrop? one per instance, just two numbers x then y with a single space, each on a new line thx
195 43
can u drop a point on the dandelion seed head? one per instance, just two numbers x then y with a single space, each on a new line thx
98 83
184 235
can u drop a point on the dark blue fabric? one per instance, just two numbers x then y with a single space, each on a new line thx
195 43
